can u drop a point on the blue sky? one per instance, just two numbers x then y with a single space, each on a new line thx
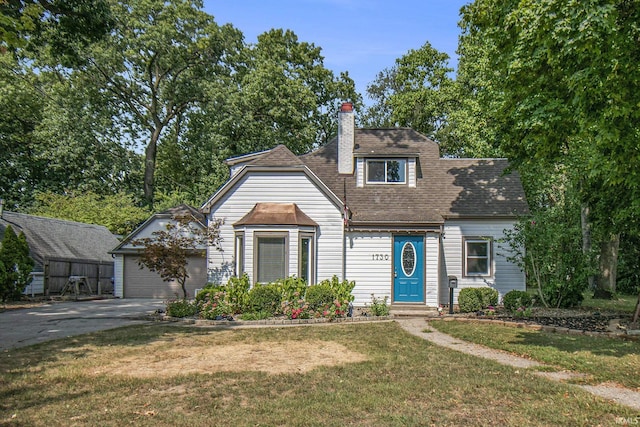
362 37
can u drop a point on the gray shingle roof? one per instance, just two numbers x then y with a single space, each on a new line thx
446 188
56 238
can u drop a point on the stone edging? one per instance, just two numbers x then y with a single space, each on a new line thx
268 322
547 328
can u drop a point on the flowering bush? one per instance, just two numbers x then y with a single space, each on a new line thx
335 309
379 306
522 312
298 309
215 306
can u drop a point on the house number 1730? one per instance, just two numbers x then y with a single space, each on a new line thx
380 257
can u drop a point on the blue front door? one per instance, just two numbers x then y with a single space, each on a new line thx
408 268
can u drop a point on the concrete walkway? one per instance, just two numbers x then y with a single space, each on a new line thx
417 326
26 326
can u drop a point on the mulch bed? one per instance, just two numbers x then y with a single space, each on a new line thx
593 323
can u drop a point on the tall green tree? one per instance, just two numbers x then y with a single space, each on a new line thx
118 212
15 265
285 95
61 25
564 75
413 93
56 136
20 113
153 66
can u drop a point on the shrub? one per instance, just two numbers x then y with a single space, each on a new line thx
319 296
215 306
264 298
469 300
476 299
292 288
208 290
379 306
341 289
237 293
488 297
298 309
513 300
181 308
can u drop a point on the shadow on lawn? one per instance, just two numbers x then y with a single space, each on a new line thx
599 346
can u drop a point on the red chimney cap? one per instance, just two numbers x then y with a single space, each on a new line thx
346 107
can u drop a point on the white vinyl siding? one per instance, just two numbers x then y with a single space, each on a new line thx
505 275
360 172
411 172
277 187
432 260
369 264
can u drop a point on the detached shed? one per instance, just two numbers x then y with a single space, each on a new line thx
131 281
64 248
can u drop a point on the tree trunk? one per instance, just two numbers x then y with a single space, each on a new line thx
150 166
586 239
636 314
608 263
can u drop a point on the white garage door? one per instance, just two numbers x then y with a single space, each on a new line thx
142 283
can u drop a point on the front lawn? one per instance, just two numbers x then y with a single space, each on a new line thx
356 374
619 304
602 359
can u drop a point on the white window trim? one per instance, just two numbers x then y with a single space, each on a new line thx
489 242
385 160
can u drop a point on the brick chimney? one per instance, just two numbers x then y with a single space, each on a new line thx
346 138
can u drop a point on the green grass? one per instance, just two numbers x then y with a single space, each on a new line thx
404 380
620 304
602 359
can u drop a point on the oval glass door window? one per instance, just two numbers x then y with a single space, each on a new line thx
408 259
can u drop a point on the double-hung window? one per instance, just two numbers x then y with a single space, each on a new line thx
239 250
306 263
477 257
386 171
271 256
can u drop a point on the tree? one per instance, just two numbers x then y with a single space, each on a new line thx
564 76
168 251
153 66
15 265
285 95
55 136
60 24
413 92
20 114
118 212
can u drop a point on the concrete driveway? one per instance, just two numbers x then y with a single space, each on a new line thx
54 320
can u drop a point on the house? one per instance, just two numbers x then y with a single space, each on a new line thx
132 281
376 206
63 248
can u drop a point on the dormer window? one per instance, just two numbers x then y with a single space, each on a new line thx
386 171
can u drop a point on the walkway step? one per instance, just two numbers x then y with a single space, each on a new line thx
412 310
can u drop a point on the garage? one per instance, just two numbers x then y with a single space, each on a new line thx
142 283
131 281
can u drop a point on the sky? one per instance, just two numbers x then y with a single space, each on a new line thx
362 37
